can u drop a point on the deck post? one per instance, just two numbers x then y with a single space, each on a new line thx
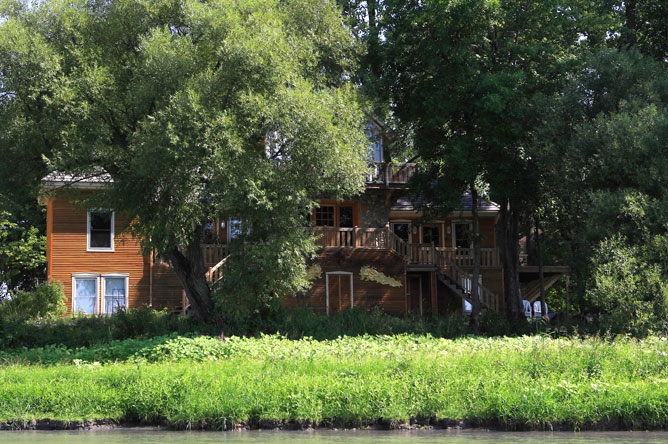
434 295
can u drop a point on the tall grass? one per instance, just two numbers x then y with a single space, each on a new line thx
352 381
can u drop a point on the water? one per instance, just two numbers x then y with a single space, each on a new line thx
151 436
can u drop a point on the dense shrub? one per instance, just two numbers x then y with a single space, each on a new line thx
304 322
629 293
86 331
45 301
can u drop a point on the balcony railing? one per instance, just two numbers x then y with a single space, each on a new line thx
382 173
383 238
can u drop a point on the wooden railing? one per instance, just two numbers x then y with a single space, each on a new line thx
215 273
214 253
384 238
464 279
390 173
463 257
353 237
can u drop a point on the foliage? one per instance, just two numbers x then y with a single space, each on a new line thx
304 322
602 155
86 331
631 294
196 110
22 252
352 382
45 301
368 273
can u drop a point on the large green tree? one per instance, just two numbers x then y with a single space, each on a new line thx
196 110
467 78
603 155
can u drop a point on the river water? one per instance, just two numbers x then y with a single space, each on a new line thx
151 436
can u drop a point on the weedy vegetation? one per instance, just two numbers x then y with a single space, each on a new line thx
350 381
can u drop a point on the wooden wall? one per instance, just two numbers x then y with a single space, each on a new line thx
66 254
366 294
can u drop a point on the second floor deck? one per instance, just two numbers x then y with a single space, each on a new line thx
382 239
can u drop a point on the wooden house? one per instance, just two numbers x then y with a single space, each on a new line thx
376 251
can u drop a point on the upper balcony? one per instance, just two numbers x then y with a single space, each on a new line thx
390 174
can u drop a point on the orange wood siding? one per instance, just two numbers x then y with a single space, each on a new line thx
66 252
366 294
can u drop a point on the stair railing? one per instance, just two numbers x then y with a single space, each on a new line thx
215 273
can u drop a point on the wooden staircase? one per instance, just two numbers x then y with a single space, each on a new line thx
448 273
459 282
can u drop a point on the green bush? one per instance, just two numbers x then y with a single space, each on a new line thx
45 301
86 331
629 293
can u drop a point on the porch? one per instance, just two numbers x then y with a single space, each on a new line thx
415 253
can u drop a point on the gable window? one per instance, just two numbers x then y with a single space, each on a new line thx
115 292
100 230
324 216
461 234
430 234
345 217
402 230
84 289
375 143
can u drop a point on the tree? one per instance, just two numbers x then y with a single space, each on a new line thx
196 110
467 79
21 253
603 155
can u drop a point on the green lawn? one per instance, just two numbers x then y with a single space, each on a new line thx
182 381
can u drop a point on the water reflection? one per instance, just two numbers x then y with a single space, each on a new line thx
151 436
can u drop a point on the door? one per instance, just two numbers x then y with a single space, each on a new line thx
415 294
339 291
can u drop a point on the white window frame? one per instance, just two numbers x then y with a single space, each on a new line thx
112 234
375 137
352 291
103 289
87 276
402 222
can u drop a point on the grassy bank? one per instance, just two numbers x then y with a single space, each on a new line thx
184 382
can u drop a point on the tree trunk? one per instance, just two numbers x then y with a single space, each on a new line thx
507 239
475 299
541 276
191 271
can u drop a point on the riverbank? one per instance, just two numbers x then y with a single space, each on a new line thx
530 383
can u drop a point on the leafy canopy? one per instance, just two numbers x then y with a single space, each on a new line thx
178 101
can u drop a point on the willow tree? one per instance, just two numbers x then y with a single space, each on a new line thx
197 110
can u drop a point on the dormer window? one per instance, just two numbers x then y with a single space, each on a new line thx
100 230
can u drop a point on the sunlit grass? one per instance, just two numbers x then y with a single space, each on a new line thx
354 381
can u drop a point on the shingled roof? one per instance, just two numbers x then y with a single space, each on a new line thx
405 204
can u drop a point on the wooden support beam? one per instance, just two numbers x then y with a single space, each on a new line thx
434 294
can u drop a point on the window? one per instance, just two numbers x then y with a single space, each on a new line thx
234 229
461 234
114 289
84 289
85 292
430 234
376 143
324 216
402 230
100 230
346 217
